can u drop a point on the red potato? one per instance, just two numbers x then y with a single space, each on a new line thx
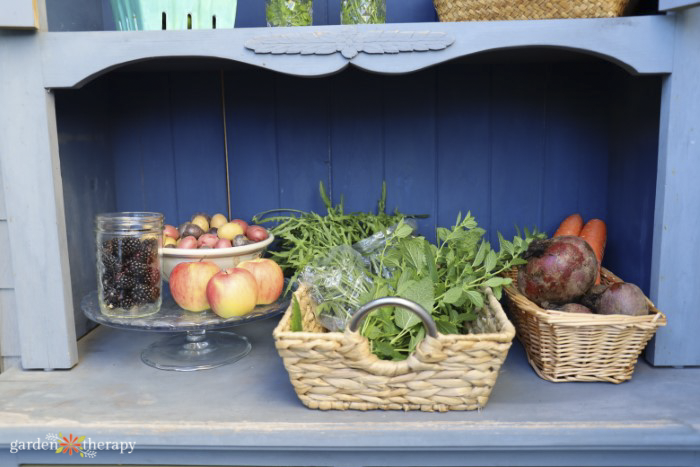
242 223
187 242
171 231
223 243
256 233
207 239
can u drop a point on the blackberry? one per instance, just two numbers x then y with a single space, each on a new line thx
111 297
152 277
124 281
124 247
136 270
108 280
111 263
145 294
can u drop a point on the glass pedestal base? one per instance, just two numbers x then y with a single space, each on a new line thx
196 350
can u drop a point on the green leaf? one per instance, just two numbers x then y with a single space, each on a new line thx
497 292
416 253
445 326
403 230
475 298
490 261
416 339
421 292
443 234
480 253
453 295
497 281
295 324
429 252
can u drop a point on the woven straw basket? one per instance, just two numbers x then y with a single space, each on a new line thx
337 371
564 346
492 10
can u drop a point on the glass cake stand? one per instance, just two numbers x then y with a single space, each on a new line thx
200 345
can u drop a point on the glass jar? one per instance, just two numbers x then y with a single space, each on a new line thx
128 263
363 12
288 12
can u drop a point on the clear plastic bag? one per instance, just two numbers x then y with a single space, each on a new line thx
341 282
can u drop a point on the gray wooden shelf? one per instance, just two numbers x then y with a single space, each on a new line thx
640 44
247 414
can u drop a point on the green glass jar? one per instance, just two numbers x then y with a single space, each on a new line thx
288 12
363 12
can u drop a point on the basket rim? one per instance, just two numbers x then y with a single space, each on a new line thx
655 317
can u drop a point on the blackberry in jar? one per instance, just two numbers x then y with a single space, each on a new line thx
128 266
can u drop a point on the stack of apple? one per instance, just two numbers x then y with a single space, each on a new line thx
199 286
216 231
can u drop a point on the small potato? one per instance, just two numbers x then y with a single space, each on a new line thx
256 233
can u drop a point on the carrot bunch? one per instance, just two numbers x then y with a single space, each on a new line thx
594 232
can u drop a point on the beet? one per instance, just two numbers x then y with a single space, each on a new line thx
575 308
622 298
559 270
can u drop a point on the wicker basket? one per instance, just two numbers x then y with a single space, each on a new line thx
492 10
335 370
564 346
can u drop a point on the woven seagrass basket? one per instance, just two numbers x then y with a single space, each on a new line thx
494 10
337 371
564 346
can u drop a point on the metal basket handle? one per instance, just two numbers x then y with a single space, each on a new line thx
428 322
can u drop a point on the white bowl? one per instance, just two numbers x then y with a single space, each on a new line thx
222 257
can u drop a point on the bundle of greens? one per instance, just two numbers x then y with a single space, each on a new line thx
304 236
447 279
288 12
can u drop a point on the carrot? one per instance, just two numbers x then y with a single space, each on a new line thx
595 234
570 226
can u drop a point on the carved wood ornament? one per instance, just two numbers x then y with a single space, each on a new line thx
349 42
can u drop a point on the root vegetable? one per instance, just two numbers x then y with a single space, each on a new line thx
575 308
621 298
572 225
559 270
595 233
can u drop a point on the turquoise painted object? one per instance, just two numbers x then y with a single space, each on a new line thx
141 15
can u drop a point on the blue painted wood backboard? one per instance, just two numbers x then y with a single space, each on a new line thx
517 144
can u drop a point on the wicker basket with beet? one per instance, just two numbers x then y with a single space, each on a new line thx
563 346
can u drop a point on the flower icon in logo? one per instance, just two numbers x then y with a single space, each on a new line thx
70 444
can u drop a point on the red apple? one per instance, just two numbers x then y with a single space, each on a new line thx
269 277
223 243
232 292
242 223
188 242
207 239
171 231
188 284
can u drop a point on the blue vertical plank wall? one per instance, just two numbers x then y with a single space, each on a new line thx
514 144
88 183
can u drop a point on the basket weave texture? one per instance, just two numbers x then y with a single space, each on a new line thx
492 10
337 371
564 346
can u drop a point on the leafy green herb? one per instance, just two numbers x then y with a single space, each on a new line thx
305 236
363 12
288 12
447 279
295 324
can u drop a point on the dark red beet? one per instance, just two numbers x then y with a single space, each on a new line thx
559 270
622 298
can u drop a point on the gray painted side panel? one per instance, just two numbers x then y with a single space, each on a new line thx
6 279
18 14
675 282
3 214
665 5
34 205
9 332
71 59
